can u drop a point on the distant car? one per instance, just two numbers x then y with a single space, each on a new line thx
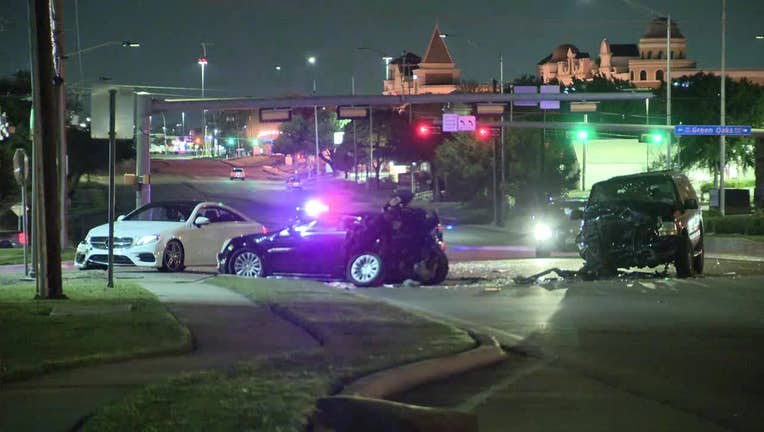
166 235
643 220
294 183
7 244
553 228
238 174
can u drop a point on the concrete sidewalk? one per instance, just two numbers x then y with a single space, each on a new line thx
226 326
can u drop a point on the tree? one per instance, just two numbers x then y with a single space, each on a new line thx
465 164
696 101
15 103
298 134
392 140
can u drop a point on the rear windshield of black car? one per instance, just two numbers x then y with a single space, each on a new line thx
650 189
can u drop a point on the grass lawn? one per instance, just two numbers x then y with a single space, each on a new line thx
358 336
94 325
16 255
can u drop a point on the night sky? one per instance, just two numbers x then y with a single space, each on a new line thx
250 38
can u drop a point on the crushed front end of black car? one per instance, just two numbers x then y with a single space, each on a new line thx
617 235
642 220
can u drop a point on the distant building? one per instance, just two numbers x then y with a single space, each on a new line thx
642 64
435 73
565 64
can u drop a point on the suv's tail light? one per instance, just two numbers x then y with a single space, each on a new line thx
264 229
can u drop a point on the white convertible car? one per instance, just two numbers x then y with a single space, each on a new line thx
166 235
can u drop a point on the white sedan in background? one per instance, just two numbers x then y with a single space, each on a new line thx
166 235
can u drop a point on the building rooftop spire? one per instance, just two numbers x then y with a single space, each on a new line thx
437 51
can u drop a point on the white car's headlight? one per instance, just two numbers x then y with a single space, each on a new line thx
542 231
148 239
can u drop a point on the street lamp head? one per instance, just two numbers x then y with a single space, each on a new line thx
278 68
312 60
130 44
759 36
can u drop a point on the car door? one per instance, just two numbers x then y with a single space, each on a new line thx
283 251
321 249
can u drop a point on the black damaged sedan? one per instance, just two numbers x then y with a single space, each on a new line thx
642 220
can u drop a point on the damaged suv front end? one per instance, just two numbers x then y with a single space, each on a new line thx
642 220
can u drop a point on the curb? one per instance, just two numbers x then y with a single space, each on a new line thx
397 380
354 413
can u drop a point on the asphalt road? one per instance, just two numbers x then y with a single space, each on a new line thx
643 352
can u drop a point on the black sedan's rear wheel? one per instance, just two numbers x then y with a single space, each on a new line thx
365 270
246 263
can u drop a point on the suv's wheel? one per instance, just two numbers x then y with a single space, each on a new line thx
365 270
684 258
246 263
173 257
698 258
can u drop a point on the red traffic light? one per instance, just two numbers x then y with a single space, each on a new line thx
483 132
423 130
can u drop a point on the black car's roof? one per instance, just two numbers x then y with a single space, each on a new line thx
662 173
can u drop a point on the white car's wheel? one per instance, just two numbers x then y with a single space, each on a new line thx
365 270
173 257
247 263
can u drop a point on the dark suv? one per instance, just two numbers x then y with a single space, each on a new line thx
642 220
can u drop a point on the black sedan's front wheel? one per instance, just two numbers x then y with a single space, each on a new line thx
246 263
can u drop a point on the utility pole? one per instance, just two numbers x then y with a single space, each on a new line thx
46 199
63 158
723 111
502 164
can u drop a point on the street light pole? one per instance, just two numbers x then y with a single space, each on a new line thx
668 86
312 61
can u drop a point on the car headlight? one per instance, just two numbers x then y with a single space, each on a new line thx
542 231
667 228
148 239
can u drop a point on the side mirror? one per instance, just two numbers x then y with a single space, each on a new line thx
576 214
120 217
201 221
691 204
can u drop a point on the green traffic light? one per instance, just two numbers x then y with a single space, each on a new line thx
582 134
230 141
656 138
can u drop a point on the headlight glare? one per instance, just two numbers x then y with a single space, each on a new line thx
542 231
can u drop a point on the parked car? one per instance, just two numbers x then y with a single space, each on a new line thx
642 220
553 228
294 183
343 246
238 174
166 235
